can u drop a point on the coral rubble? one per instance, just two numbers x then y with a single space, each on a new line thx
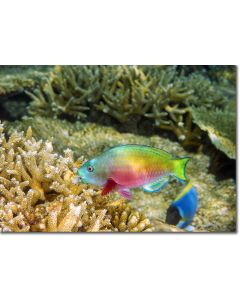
37 193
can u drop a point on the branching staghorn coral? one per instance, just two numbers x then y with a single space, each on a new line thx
158 94
161 94
130 94
16 79
67 92
37 193
205 93
125 92
170 110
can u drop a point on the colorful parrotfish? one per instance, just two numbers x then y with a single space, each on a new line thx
128 166
184 207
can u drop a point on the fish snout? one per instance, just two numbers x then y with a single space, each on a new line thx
77 179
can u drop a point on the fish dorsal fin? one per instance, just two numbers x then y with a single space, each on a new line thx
156 186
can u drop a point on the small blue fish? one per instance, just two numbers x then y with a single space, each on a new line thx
183 209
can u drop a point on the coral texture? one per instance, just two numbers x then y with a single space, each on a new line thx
16 79
162 94
66 92
37 193
91 139
221 128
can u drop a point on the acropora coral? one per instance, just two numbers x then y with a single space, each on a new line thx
162 94
37 193
67 92
124 92
16 79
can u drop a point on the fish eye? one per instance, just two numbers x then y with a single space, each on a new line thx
90 168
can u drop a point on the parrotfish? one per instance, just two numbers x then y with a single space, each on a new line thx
129 166
183 209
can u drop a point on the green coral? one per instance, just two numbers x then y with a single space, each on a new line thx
67 92
16 79
220 126
228 73
162 94
125 92
170 97
204 93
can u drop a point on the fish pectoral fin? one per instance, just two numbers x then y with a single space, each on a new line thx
109 186
125 193
156 186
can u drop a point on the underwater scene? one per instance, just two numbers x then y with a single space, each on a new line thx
118 148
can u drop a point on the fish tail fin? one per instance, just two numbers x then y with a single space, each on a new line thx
180 168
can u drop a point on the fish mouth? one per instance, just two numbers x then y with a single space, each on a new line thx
79 179
76 180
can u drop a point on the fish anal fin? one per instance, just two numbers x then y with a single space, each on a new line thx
109 186
157 185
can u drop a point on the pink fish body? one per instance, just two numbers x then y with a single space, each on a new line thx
130 166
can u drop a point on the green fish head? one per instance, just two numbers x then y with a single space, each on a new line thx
91 172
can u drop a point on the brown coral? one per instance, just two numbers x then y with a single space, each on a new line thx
16 79
37 193
66 92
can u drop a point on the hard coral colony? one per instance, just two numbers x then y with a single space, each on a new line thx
37 193
161 94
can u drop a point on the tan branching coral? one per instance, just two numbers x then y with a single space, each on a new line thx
16 79
130 94
125 92
125 219
66 92
37 193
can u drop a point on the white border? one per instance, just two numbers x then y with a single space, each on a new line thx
108 266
